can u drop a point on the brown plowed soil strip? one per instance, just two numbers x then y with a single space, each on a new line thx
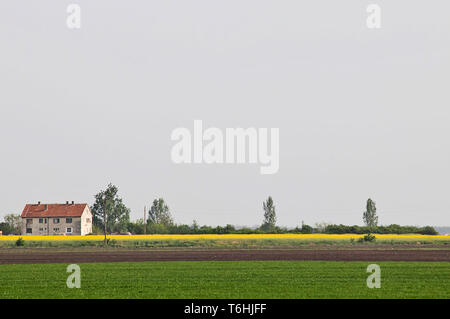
38 257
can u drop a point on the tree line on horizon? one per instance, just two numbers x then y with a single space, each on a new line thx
109 207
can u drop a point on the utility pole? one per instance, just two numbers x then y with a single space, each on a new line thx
145 221
104 218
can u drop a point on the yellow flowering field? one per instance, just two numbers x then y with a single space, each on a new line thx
228 236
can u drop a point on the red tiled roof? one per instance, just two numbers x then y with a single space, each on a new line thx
53 210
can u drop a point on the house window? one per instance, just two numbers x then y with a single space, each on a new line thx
41 229
69 220
41 220
69 230
29 221
55 220
29 230
88 220
56 230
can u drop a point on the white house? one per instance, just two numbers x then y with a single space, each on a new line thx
56 219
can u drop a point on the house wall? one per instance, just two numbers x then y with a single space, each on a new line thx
49 227
86 221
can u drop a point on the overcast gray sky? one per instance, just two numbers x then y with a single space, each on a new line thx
361 112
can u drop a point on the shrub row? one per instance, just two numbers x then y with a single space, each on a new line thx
136 228
390 229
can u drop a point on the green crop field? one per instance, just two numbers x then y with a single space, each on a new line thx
231 279
226 243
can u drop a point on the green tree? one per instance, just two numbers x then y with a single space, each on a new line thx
110 207
159 213
137 227
370 217
269 215
306 229
14 222
195 226
5 229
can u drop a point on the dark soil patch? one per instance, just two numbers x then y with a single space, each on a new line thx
119 255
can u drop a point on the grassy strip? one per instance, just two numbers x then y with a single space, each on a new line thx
236 279
213 243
